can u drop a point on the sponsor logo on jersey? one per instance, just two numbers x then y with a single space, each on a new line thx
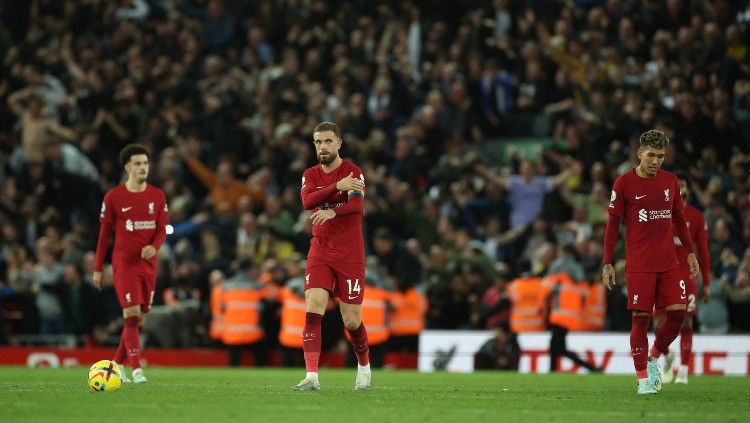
646 215
139 225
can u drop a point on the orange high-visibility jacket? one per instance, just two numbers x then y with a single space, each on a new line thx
217 317
528 305
374 315
241 305
566 301
595 306
408 312
292 318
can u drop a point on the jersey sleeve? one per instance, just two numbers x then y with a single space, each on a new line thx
617 199
106 222
679 221
701 244
312 197
355 203
160 234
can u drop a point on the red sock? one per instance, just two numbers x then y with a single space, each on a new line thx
686 345
121 353
311 341
639 343
667 332
131 337
360 344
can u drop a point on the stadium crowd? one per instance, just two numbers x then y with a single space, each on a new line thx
226 94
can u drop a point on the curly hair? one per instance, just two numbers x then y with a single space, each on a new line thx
655 139
131 150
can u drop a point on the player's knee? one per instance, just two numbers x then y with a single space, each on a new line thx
134 311
351 320
678 314
688 322
352 324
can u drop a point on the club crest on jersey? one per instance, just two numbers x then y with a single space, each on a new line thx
635 299
612 199
151 208
666 194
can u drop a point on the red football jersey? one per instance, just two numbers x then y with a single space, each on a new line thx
139 219
340 239
698 228
647 206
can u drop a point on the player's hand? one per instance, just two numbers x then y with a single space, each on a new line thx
608 276
694 267
321 216
97 279
350 183
148 252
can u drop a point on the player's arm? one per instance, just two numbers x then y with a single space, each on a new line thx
160 233
355 204
313 197
616 210
683 233
106 219
701 243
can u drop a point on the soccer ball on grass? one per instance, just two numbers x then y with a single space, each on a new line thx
105 375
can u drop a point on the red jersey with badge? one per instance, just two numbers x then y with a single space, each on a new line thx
647 206
338 240
139 219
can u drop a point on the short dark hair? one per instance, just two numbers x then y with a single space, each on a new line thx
131 150
328 126
654 138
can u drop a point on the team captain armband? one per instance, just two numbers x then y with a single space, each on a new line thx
355 193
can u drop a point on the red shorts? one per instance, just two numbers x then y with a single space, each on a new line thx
134 286
649 290
691 290
344 281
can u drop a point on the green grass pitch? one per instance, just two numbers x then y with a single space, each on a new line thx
211 395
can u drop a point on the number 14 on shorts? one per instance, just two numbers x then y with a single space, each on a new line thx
353 287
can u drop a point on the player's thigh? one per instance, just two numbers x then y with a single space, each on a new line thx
148 289
641 291
319 275
128 288
671 288
350 283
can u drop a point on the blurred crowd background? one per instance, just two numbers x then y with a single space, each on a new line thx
489 133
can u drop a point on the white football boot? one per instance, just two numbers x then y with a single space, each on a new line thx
667 373
309 383
138 376
364 378
682 375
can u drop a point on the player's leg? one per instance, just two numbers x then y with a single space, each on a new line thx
352 316
641 294
350 290
671 295
129 286
319 281
686 331
686 349
667 375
